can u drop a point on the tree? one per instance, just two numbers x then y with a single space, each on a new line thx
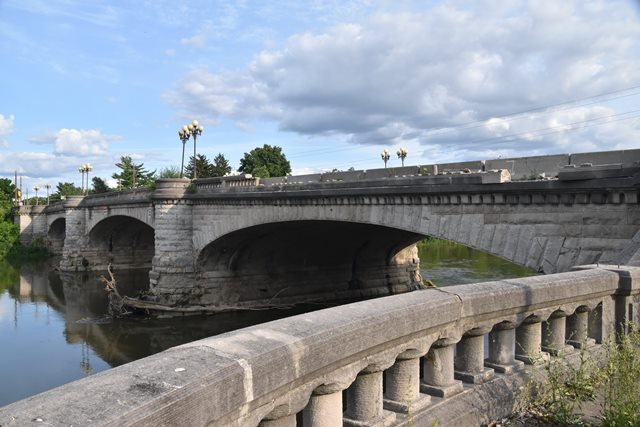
7 194
170 172
270 157
203 167
66 189
220 166
261 172
133 174
99 185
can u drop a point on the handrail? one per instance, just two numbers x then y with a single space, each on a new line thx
269 372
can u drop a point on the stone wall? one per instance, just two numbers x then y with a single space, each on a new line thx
300 367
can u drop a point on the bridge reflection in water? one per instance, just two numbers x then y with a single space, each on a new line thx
57 327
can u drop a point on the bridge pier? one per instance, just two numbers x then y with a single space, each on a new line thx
32 222
76 239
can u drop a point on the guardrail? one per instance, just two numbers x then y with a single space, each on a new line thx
296 369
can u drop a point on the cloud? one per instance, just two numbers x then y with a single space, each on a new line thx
197 40
397 77
6 128
77 142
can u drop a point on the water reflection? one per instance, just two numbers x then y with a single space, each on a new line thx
54 328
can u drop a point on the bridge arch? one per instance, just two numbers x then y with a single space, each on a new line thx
316 258
56 234
123 241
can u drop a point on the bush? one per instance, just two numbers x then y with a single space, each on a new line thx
9 234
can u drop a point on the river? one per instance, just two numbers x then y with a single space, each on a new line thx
54 328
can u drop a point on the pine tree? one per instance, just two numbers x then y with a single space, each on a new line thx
220 166
132 175
203 165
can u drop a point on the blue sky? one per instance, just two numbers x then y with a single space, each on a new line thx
332 82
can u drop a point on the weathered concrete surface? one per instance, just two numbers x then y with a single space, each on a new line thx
269 371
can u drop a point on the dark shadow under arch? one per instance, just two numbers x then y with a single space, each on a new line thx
123 241
56 235
288 259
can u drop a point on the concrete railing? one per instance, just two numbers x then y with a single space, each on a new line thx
294 371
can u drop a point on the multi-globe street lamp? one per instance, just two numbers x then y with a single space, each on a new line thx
385 156
193 129
402 154
86 168
36 188
47 186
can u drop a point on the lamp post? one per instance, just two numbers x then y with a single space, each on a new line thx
184 137
86 168
47 186
402 154
81 170
193 129
36 188
385 156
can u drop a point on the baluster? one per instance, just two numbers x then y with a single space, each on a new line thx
554 334
528 341
502 349
469 360
578 328
438 370
324 408
403 384
364 399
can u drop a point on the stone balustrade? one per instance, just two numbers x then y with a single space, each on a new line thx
358 364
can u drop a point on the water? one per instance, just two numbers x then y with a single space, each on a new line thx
54 328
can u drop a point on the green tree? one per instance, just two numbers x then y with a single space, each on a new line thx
261 172
133 174
270 157
170 172
99 185
66 189
220 166
7 194
9 234
203 167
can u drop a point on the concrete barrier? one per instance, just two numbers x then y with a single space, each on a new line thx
522 168
267 374
606 157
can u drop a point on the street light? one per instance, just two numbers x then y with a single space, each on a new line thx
86 168
36 188
385 156
184 137
402 154
193 129
47 186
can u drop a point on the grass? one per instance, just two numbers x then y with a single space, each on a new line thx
610 383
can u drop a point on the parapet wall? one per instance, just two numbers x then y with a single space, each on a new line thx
296 369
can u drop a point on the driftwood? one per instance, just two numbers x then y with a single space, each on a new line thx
116 305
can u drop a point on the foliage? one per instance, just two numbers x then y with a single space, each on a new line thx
621 382
261 172
615 382
270 157
9 234
203 167
220 166
34 251
7 189
99 185
66 189
169 172
132 174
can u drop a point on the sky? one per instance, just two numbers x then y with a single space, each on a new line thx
332 82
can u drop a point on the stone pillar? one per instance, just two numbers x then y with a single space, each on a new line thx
439 372
22 219
554 333
528 341
502 349
364 400
172 273
324 408
578 328
403 384
75 240
469 360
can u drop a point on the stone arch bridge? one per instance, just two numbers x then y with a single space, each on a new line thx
233 242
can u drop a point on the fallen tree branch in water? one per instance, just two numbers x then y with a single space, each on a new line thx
116 307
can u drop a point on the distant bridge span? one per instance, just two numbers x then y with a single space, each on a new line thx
236 242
